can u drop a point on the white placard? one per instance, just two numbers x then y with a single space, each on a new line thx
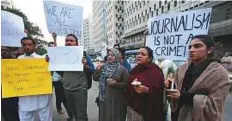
12 29
170 34
63 18
65 58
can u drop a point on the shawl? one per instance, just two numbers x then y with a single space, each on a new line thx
214 81
108 71
150 105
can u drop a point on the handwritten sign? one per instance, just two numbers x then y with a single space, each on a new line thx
65 58
170 34
63 18
12 29
23 77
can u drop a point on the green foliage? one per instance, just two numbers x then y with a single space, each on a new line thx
31 29
171 70
41 50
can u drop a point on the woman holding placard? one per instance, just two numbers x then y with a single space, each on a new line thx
202 84
145 89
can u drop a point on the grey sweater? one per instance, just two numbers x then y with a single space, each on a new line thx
74 80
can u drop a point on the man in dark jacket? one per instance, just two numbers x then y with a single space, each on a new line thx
9 105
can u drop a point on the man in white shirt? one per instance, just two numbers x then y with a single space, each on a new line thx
30 105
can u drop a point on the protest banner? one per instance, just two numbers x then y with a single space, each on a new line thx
170 34
12 29
63 18
24 77
65 58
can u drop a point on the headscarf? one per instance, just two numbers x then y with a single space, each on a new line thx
108 71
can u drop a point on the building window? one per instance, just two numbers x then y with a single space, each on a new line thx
227 17
175 3
116 7
150 9
165 2
168 6
162 9
160 4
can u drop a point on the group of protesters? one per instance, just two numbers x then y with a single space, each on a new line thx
196 91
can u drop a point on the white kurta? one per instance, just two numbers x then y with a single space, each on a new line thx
31 103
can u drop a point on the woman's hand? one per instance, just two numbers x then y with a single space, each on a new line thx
141 89
111 81
167 83
174 95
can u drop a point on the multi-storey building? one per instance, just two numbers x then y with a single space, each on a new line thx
99 26
114 21
85 41
137 13
91 33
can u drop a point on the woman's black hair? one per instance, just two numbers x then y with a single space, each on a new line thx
84 54
73 35
206 39
150 53
122 51
209 42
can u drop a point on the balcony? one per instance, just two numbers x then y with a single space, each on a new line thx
221 28
133 44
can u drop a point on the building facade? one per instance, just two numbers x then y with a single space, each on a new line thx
114 21
99 26
85 40
137 13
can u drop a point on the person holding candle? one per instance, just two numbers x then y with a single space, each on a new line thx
145 89
202 84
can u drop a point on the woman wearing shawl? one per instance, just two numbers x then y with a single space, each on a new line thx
112 87
145 89
202 84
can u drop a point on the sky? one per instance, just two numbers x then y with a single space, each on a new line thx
34 10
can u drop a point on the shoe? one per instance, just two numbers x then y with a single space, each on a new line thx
60 111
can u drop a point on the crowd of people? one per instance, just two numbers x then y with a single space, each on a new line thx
195 91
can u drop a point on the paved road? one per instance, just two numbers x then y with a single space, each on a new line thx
92 107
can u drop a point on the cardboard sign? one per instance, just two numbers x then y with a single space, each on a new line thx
24 77
170 34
